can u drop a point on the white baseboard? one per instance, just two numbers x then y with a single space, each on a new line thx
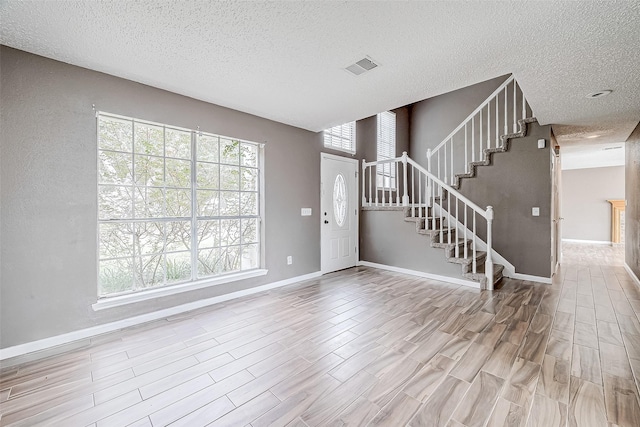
531 278
447 279
632 274
46 343
593 242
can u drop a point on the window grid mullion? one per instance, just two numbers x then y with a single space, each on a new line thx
194 207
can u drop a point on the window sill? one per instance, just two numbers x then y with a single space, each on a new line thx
117 301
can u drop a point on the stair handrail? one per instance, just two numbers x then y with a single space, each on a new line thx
483 130
431 179
475 112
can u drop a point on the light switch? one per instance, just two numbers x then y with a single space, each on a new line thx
535 211
305 211
542 143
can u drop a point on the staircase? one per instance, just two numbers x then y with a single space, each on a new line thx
430 197
457 250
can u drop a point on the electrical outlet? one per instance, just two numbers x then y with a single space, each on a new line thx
289 260
305 211
535 211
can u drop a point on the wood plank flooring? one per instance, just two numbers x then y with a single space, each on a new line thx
359 347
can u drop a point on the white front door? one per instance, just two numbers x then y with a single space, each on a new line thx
338 212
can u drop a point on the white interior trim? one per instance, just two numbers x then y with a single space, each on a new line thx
117 301
531 278
447 279
594 242
46 343
632 274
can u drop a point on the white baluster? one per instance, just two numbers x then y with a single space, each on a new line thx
506 107
446 174
466 254
466 157
405 196
457 245
397 176
441 216
452 170
497 122
449 216
524 104
480 141
413 192
473 139
383 184
420 193
489 125
474 267
515 105
390 186
488 266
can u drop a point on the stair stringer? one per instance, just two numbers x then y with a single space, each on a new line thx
523 126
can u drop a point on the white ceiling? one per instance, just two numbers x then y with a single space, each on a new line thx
582 156
284 60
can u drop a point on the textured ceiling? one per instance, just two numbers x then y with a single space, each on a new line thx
284 60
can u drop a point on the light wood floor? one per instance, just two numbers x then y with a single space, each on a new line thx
359 347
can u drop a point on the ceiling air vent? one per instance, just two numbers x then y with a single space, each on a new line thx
361 66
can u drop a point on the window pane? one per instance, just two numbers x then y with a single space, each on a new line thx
250 257
229 151
229 178
209 262
115 134
230 259
249 155
149 271
178 203
149 238
178 173
207 148
178 143
229 203
149 139
230 232
116 240
249 179
208 234
178 236
115 276
208 203
178 267
249 204
114 168
114 202
149 170
250 230
207 176
149 202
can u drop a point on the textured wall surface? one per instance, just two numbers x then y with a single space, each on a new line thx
517 181
48 173
632 191
586 212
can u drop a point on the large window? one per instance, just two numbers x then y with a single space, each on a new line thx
386 173
341 137
174 205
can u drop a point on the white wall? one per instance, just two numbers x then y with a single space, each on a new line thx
586 212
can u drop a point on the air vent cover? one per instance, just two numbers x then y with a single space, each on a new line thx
361 66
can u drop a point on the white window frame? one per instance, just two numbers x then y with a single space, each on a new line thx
341 137
194 281
386 150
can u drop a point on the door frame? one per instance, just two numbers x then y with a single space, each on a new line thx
327 156
556 209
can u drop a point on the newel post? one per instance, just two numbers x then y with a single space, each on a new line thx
405 195
488 266
364 187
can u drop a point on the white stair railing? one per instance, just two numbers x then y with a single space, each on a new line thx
445 211
498 115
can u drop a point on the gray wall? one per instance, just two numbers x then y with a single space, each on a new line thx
397 243
48 201
632 191
517 181
586 212
434 118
